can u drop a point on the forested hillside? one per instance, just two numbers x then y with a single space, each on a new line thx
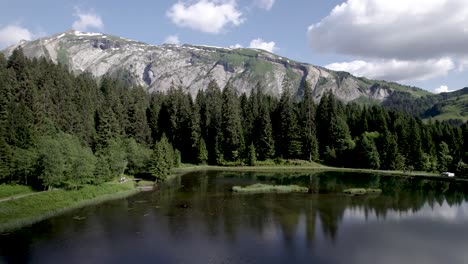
449 107
58 129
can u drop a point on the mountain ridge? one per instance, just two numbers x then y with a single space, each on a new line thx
158 67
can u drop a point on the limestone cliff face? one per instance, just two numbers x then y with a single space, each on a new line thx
159 67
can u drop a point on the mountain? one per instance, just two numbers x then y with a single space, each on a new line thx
159 67
443 106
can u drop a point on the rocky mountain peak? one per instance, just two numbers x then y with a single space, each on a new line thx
157 67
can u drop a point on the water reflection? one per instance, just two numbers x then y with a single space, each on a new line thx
197 219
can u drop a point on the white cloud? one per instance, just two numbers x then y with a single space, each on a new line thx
86 20
237 46
260 44
265 4
396 40
400 29
462 64
12 34
396 70
209 16
442 89
172 39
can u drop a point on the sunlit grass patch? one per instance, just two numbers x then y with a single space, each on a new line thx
362 191
32 209
265 188
7 190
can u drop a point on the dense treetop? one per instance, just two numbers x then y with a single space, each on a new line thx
58 129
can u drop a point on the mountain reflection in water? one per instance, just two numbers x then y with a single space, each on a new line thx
197 219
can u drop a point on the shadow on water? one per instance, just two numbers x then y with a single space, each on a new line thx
198 214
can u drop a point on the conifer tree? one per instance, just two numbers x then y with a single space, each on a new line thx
212 117
308 112
162 159
367 154
264 133
252 155
233 144
290 144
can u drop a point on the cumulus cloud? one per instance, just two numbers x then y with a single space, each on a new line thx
172 39
237 46
209 16
396 70
265 4
442 89
399 29
463 64
260 44
396 36
12 34
86 20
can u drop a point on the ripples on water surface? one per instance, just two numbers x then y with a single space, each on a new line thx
197 219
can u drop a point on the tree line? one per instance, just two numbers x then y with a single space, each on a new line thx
60 129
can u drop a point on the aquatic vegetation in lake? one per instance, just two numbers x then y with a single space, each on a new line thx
362 191
265 188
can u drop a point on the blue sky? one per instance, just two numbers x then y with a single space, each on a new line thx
423 43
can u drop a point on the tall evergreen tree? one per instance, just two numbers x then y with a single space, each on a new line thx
332 130
290 144
162 159
367 154
264 133
233 138
212 117
308 112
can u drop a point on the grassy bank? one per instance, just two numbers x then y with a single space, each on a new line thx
309 167
32 209
303 167
12 190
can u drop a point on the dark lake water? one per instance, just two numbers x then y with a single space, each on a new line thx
197 219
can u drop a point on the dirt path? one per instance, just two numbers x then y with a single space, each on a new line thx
19 196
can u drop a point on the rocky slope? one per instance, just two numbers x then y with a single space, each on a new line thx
158 67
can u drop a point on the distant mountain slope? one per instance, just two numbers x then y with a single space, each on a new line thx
444 106
158 67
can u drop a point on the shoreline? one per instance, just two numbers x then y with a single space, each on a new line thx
35 207
14 214
302 168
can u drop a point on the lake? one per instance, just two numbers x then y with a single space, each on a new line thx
196 218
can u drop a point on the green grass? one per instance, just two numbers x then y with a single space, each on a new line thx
31 209
265 188
417 92
144 183
362 191
455 107
298 166
7 190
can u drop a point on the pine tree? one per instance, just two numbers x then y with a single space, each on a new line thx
202 152
233 138
137 126
390 157
264 133
6 157
162 159
252 156
308 112
196 133
212 121
290 144
445 159
332 130
153 115
368 156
